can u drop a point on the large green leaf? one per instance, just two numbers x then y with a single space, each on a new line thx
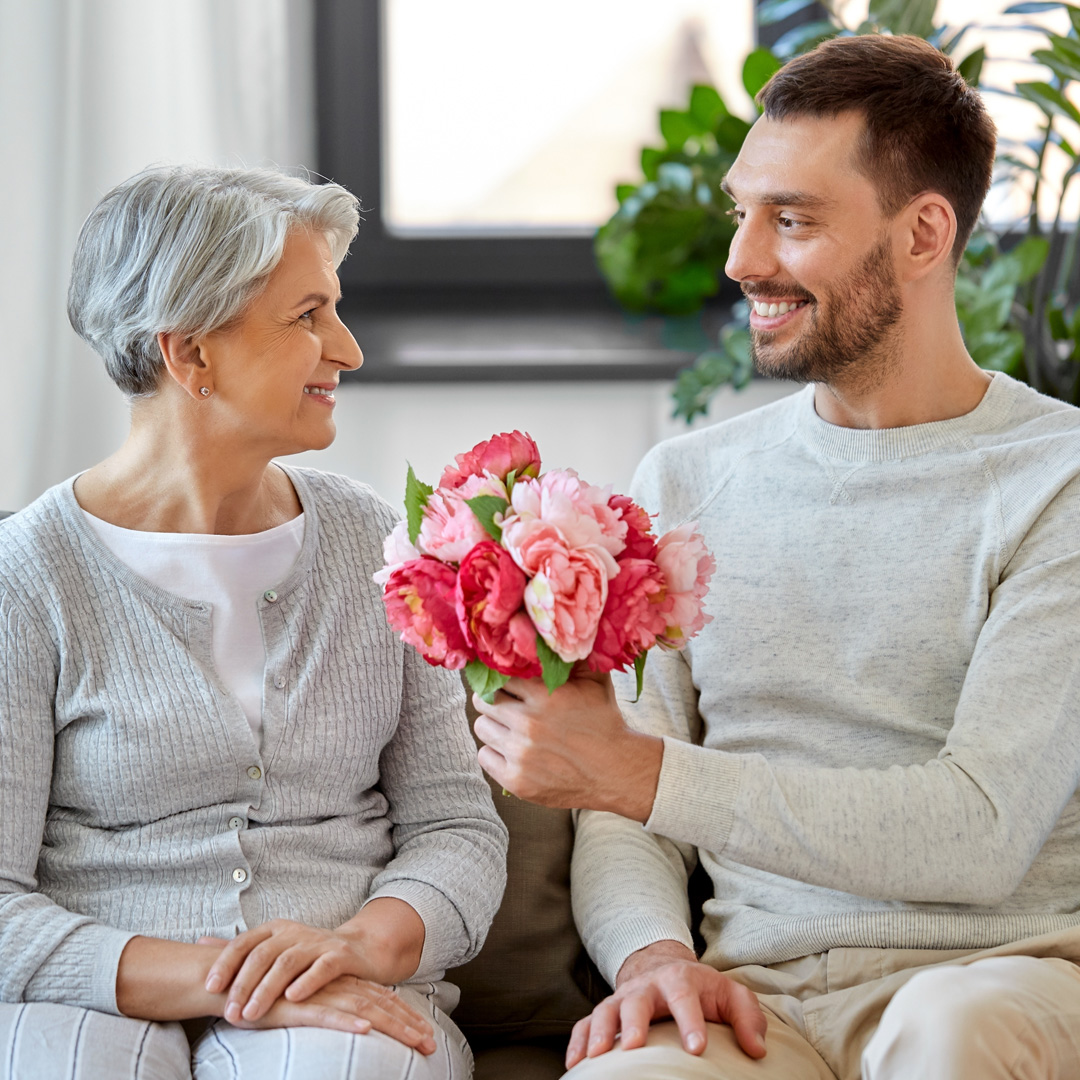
1051 100
971 66
1064 69
554 669
485 507
416 497
677 127
707 107
904 16
758 68
484 681
731 132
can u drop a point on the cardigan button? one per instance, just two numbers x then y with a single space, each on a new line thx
270 595
240 875
236 823
279 682
255 772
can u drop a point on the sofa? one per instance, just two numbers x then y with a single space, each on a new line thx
533 980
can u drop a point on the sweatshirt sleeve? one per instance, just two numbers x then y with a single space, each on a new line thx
963 828
449 843
49 954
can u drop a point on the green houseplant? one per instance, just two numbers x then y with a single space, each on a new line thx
664 248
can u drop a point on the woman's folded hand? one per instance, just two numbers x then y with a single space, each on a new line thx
354 1005
278 959
285 959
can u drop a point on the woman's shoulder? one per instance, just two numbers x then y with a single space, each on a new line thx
343 504
39 531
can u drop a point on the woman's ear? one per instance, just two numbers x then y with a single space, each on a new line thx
928 227
186 365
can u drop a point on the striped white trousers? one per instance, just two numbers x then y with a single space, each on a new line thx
40 1041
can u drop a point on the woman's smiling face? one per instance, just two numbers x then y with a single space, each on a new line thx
274 371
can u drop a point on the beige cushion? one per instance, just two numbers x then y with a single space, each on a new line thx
532 979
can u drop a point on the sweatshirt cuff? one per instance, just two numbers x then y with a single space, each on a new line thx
611 948
82 970
446 942
695 795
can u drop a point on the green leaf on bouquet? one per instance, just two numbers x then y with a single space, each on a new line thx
416 497
484 681
639 671
485 507
511 479
554 669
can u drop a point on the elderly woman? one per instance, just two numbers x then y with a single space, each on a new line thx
228 795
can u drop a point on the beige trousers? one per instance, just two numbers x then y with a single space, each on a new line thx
1008 1013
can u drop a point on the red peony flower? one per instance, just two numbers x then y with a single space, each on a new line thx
488 602
640 542
634 616
510 452
419 601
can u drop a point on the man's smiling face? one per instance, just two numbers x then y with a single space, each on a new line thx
812 253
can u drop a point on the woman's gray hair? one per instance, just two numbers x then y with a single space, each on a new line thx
184 249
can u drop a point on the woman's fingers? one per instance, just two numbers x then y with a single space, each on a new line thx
232 957
264 978
393 1017
322 972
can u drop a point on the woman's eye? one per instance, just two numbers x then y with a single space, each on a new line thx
308 314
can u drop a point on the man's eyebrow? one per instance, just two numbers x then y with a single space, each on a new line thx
784 198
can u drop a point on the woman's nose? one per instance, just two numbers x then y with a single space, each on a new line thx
340 347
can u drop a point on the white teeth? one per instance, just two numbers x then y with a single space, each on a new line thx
769 310
319 391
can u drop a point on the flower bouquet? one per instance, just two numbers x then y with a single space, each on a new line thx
504 571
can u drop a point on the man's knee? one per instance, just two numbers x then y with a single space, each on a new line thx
955 1021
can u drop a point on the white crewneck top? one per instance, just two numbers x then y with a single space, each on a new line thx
231 573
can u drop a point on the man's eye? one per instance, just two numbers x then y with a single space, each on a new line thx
736 214
788 223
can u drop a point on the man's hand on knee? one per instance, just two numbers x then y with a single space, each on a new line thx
666 980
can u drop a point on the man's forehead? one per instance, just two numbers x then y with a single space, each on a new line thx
798 161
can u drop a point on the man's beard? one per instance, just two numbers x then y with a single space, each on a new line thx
849 330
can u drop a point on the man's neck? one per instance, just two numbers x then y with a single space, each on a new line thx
928 377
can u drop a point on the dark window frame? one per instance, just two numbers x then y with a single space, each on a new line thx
397 288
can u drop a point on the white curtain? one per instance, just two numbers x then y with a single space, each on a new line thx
90 92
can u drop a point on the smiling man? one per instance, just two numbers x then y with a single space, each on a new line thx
874 748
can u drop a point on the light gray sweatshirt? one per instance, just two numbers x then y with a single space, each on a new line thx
876 742
133 796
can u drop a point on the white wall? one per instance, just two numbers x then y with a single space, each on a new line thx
600 429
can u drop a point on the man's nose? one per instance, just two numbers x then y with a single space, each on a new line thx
752 254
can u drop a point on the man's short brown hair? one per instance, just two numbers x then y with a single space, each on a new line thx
925 128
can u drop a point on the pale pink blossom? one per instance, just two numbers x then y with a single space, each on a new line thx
397 549
512 451
419 602
578 511
566 598
687 567
449 529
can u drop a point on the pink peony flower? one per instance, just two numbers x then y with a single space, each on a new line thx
488 598
502 454
419 601
640 542
566 598
634 616
578 511
449 529
397 549
687 567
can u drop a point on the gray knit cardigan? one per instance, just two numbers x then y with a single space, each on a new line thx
135 800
